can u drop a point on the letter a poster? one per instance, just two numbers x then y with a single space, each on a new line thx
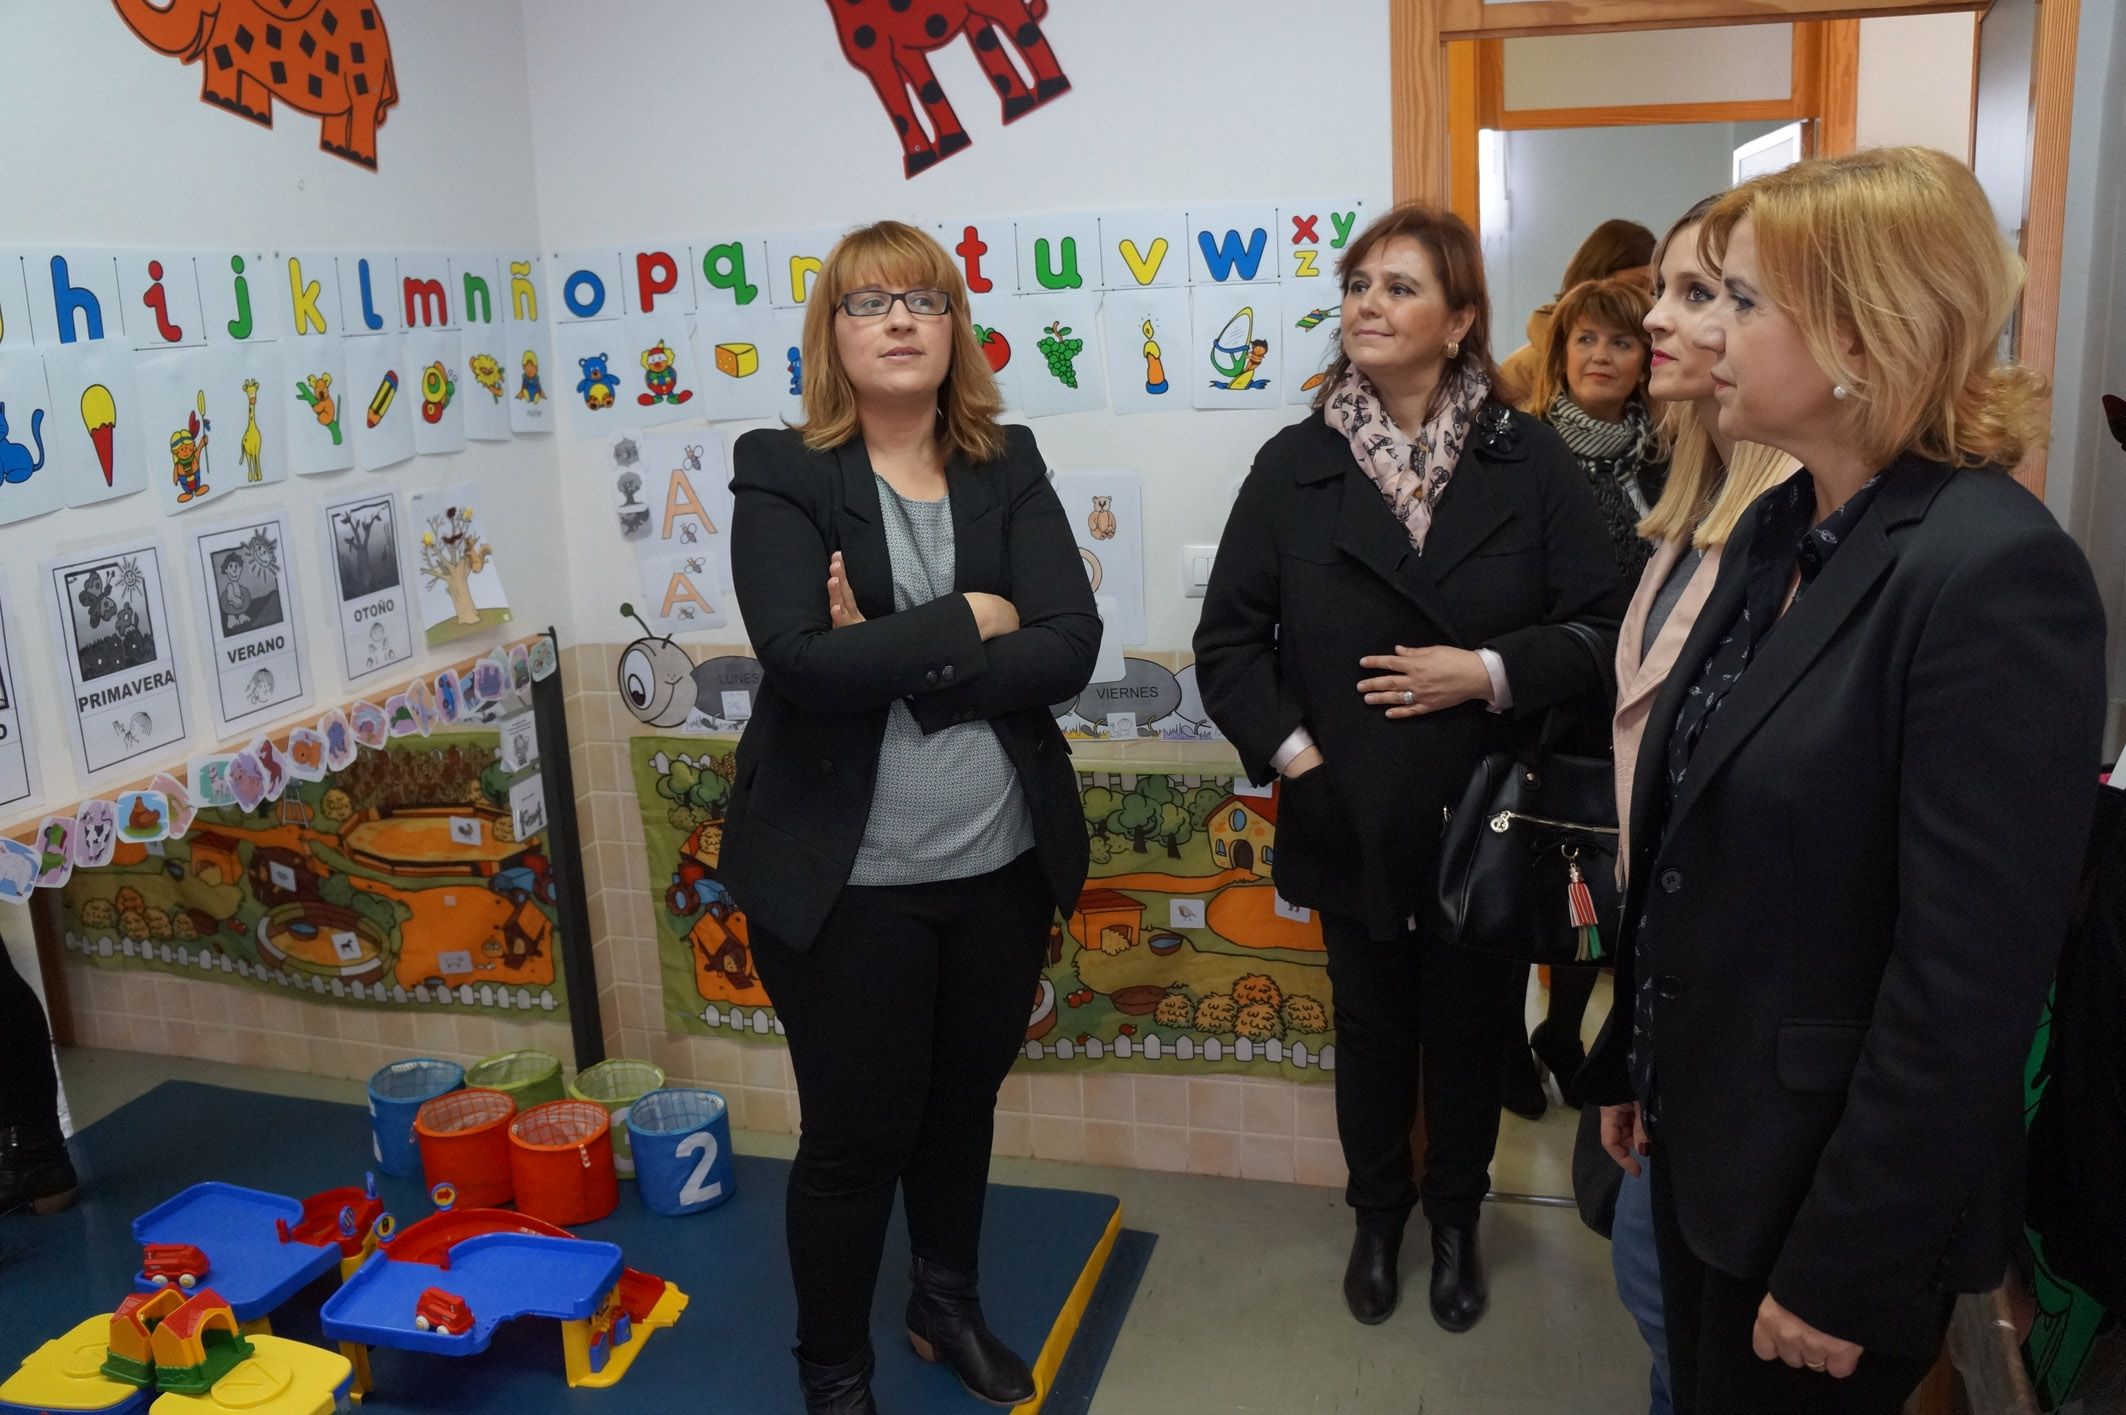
118 652
254 628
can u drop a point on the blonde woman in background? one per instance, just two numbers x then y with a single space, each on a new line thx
1712 480
1863 797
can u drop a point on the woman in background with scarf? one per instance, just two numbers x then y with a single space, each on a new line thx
1404 573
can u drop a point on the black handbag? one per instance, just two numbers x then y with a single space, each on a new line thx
1528 859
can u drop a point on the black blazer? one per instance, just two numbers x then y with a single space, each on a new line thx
1859 900
808 759
1314 573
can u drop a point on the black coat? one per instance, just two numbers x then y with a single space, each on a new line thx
1314 572
1859 900
809 756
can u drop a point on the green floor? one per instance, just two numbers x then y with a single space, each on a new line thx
1241 1309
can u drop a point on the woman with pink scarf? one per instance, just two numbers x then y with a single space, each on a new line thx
1412 577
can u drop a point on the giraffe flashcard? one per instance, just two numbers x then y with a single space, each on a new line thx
248 385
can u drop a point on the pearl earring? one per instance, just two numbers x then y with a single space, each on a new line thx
1839 391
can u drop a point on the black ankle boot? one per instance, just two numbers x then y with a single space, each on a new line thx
1521 1088
945 1324
843 1389
1372 1282
35 1170
1561 1052
1458 1291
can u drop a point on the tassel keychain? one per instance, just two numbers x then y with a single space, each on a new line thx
1580 911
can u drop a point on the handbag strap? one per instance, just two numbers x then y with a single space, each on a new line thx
1558 719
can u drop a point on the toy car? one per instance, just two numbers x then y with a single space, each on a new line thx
165 1263
444 1313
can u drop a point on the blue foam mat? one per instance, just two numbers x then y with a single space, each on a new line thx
730 1352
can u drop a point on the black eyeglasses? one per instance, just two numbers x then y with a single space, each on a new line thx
870 304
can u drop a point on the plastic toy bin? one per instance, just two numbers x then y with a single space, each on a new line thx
465 1144
682 1142
530 1077
396 1095
561 1162
617 1085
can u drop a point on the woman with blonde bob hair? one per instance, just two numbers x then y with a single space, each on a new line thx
1862 798
905 820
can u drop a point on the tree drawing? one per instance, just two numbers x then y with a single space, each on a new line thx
451 555
1139 815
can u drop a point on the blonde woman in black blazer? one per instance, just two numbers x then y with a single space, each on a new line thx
1860 806
905 819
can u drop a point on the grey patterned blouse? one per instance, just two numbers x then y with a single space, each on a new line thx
947 805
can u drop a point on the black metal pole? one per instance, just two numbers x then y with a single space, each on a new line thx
564 847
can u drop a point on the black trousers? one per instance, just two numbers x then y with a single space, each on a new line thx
1712 1368
29 1087
903 1019
1400 1002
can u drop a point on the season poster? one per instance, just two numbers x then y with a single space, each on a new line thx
371 604
254 627
118 651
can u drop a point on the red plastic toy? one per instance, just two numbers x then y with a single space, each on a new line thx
165 1263
442 1312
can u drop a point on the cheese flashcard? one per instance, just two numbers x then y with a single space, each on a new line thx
753 357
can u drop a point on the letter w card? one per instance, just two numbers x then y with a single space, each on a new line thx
254 629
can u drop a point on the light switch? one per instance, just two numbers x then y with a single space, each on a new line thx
1196 569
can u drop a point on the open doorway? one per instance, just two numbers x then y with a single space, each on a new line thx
1562 146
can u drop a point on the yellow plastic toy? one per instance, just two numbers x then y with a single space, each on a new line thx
282 1378
577 1338
66 1374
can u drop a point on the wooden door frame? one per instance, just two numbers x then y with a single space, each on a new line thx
1434 147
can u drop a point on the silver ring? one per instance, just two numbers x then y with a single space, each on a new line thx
1408 697
1818 1366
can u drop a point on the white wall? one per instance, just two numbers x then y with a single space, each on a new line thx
2001 148
767 127
1915 82
1719 64
2086 475
108 143
1563 182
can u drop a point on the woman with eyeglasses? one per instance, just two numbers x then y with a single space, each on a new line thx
905 819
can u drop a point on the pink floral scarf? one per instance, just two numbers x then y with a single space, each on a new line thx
1411 472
